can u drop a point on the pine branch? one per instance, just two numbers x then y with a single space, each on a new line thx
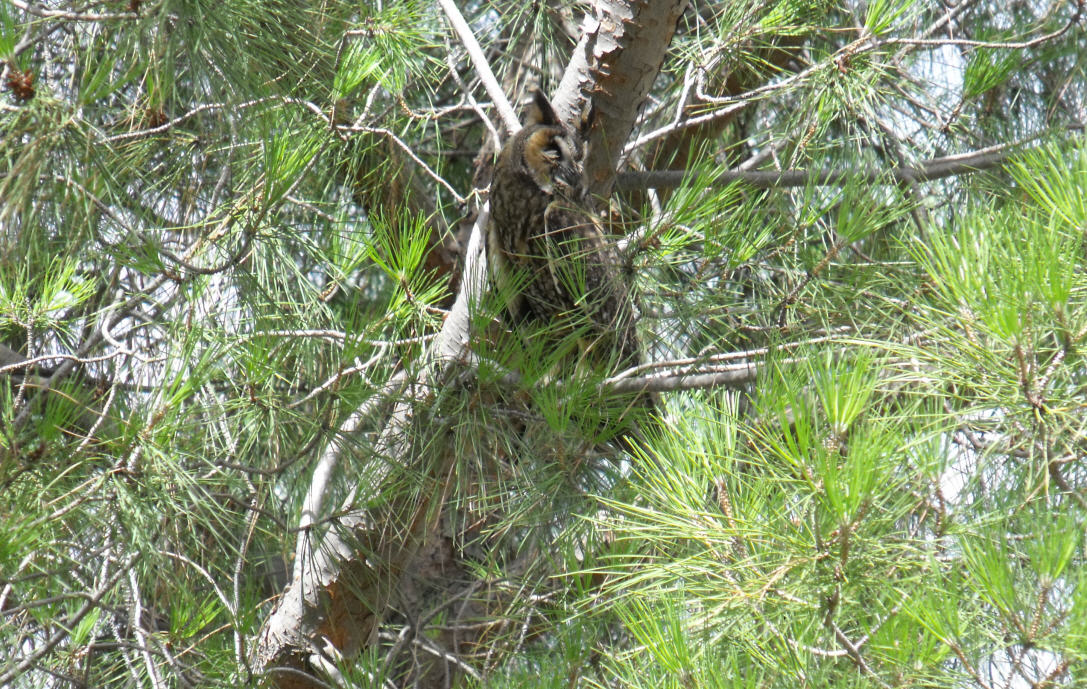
937 168
292 633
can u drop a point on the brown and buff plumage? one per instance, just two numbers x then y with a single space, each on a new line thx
549 256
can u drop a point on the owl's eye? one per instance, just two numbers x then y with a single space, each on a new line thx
552 154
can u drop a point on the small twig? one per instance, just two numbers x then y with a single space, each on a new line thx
734 374
407 149
791 298
98 421
1049 679
479 61
73 16
680 366
855 655
188 115
336 336
432 648
495 136
60 357
1008 45
337 377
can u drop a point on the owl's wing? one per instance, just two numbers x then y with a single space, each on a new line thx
584 265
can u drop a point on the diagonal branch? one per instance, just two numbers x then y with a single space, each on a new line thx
349 578
479 61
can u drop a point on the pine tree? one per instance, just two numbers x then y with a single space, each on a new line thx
261 421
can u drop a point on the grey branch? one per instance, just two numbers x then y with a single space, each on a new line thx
937 168
733 374
479 61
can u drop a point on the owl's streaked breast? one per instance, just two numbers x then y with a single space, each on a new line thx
548 254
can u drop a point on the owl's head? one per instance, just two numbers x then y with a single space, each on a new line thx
548 153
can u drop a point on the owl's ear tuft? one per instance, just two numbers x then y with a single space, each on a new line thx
540 111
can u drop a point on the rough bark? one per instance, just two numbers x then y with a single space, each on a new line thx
348 580
342 584
622 47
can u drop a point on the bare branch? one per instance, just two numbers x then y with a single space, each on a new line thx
410 153
72 16
937 168
730 375
483 68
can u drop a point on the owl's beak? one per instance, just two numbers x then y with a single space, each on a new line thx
567 175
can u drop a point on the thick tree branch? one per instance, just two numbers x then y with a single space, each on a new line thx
345 583
614 65
339 592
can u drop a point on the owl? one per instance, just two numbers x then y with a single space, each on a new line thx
548 254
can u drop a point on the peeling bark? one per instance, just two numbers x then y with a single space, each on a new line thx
347 581
614 65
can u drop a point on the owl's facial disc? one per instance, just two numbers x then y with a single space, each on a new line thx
549 158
